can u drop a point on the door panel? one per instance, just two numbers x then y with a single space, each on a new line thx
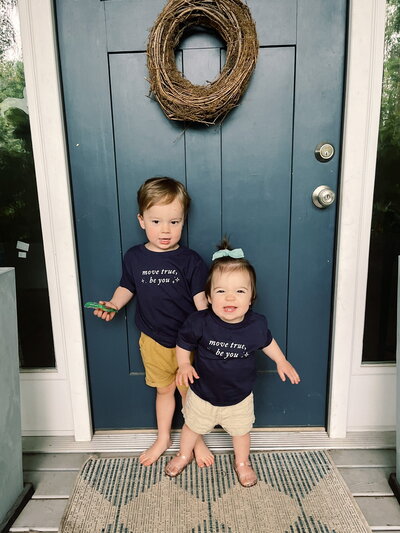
251 177
128 23
257 179
318 118
203 154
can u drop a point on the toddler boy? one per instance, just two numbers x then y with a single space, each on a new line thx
168 281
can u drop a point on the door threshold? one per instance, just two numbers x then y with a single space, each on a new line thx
218 441
216 430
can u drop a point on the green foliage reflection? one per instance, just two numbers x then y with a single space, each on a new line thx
19 207
19 210
386 216
380 315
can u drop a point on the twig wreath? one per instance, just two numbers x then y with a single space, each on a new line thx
178 97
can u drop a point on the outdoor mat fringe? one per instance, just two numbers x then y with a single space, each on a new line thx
297 491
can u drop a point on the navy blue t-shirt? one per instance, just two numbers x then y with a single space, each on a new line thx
225 356
164 284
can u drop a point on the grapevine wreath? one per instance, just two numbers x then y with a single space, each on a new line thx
178 97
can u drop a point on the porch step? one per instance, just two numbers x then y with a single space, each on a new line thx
136 442
364 471
58 484
40 515
54 461
51 485
382 514
363 458
367 481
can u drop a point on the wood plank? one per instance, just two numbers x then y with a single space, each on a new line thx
89 125
256 179
356 458
54 461
380 512
55 485
319 72
275 21
203 162
43 515
367 481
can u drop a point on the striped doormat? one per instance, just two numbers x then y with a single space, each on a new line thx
297 491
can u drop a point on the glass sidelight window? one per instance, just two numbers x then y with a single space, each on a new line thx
380 316
21 244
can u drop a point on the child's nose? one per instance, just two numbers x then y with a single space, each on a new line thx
230 296
165 228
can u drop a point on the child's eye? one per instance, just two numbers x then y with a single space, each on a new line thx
241 291
155 221
220 291
174 222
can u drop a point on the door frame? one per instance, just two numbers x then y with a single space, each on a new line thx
66 388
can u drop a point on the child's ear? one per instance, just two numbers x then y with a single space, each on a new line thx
209 300
141 221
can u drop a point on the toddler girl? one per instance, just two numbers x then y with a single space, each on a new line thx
224 338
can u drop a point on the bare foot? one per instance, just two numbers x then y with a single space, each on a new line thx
151 455
204 456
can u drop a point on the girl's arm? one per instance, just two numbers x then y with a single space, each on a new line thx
283 366
200 301
186 372
120 298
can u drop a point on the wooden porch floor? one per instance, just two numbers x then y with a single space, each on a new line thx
52 470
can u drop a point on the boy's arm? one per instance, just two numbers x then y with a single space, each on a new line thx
200 301
120 298
186 372
283 366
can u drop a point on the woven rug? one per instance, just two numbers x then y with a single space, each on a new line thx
297 491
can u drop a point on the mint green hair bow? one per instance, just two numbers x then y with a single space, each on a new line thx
237 253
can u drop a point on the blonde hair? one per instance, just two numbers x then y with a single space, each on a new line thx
230 264
162 191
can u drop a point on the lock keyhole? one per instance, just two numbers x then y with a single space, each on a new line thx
324 152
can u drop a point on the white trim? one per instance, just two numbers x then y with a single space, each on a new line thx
362 105
48 137
386 369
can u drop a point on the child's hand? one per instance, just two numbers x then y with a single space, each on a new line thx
186 373
105 315
284 369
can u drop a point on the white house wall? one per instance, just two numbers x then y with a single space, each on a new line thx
57 402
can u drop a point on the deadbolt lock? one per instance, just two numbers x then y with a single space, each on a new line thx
323 196
324 152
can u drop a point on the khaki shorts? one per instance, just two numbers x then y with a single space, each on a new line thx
201 416
159 362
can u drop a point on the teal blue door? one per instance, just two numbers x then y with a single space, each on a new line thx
251 177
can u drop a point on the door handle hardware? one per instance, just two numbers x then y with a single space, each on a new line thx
323 197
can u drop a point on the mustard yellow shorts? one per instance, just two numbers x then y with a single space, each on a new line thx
201 416
159 362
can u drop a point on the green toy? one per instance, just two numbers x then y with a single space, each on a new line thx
96 305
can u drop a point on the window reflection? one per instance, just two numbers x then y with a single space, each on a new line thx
380 316
21 244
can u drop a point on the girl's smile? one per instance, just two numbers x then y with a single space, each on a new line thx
231 295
